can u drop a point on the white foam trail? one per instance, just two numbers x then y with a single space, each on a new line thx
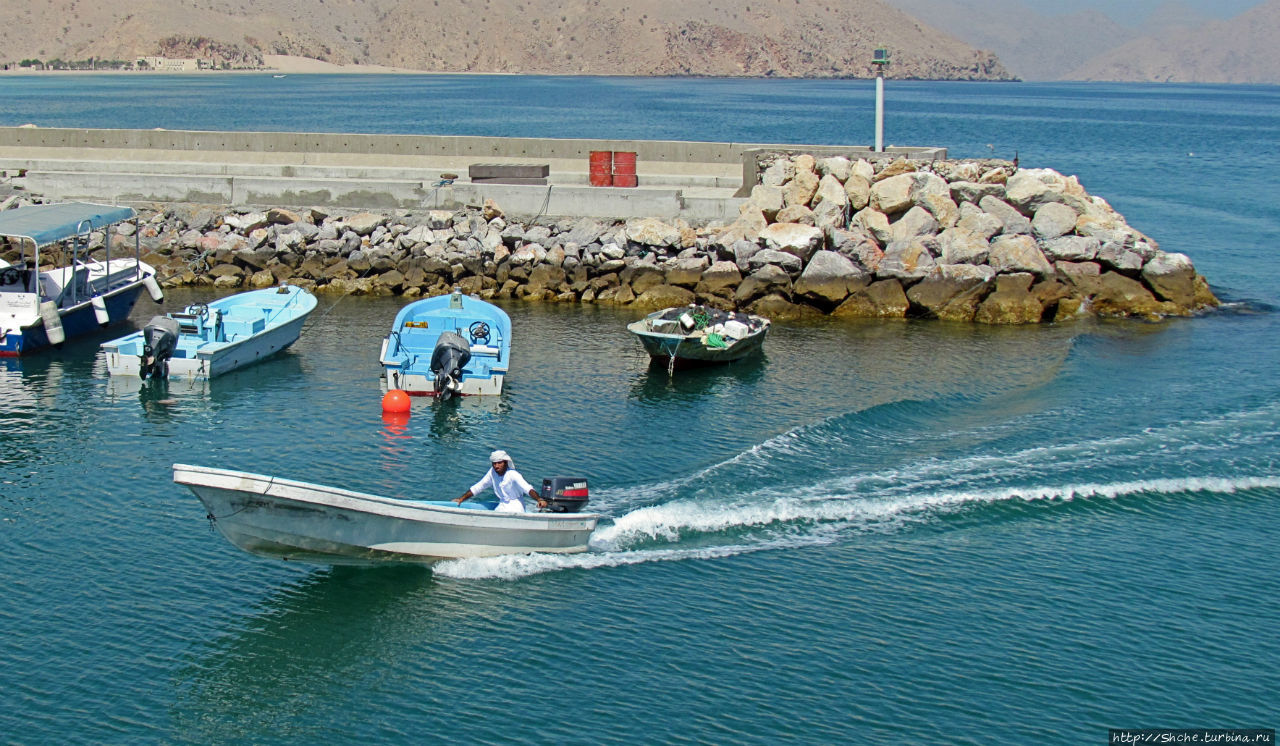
817 521
669 521
513 566
1183 436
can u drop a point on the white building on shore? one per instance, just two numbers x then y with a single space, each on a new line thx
173 64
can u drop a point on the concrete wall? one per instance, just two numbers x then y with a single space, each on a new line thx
691 180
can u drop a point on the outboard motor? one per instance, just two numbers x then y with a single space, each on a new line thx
159 340
565 494
451 353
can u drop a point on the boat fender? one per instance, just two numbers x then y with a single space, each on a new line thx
52 322
100 310
153 288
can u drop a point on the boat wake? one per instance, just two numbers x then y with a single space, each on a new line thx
767 498
794 523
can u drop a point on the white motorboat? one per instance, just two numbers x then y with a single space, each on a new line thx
43 305
286 519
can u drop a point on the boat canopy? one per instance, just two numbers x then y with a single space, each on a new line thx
46 224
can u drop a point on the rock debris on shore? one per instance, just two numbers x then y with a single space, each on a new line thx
959 240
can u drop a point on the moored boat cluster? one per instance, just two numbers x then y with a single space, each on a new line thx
965 240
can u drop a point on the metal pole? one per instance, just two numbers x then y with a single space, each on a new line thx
879 113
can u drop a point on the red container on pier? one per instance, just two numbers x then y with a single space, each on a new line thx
624 168
601 171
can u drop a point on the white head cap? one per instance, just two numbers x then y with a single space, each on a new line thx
497 456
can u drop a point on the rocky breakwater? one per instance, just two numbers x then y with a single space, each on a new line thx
977 241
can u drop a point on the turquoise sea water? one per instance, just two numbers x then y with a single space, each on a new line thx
881 532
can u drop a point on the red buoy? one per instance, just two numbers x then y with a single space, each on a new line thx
395 401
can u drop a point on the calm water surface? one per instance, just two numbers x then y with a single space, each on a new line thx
878 532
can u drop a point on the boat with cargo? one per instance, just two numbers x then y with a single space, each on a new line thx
693 335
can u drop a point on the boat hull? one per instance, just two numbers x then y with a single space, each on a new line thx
77 321
250 326
407 352
285 519
224 360
690 351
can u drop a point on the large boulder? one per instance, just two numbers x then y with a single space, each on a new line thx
952 291
1118 295
915 222
686 272
882 299
1052 220
1012 221
973 219
909 260
767 199
960 246
874 223
663 296
768 279
1011 302
801 188
793 238
746 228
787 261
892 195
858 190
829 278
970 191
799 214
719 279
830 203
775 306
1071 248
1173 278
641 276
1018 254
652 232
858 246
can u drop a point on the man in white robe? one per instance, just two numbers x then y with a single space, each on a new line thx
506 483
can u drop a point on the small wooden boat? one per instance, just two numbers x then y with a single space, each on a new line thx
284 519
44 306
207 340
448 345
699 335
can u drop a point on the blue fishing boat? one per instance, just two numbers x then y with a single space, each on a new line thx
42 306
448 345
207 340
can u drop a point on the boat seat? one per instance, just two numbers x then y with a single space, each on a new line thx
188 323
485 350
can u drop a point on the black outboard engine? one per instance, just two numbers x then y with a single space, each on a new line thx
451 353
565 494
160 339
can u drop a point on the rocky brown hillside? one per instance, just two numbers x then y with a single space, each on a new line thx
1175 43
783 38
1239 50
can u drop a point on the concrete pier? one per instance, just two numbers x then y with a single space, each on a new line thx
696 181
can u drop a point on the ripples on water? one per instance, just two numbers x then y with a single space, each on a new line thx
878 531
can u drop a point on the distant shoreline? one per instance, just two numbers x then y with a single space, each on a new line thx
277 64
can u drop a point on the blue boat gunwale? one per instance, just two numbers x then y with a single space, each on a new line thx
438 307
306 303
